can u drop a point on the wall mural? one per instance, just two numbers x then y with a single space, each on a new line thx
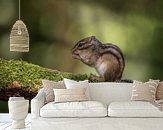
55 28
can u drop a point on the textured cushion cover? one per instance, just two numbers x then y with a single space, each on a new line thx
133 109
48 89
159 93
70 95
71 84
144 91
74 109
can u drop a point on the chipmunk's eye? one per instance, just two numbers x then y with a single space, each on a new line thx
80 45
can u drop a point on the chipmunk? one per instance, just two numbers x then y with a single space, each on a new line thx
107 59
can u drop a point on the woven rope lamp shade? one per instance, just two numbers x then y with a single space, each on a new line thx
19 37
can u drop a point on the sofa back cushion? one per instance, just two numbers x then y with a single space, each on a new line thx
107 92
159 93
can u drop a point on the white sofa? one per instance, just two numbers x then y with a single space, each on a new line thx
121 113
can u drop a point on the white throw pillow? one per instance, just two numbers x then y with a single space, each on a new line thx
144 91
71 84
70 95
48 89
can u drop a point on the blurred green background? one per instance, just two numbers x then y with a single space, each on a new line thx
54 26
136 26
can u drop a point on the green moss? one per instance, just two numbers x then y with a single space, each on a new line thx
19 73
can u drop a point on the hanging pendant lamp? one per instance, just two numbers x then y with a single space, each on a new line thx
19 37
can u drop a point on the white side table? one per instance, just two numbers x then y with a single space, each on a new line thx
18 110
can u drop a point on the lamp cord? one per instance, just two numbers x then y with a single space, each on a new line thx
19 9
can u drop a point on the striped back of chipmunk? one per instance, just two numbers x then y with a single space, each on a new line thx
116 51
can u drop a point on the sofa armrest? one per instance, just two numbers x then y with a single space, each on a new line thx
36 104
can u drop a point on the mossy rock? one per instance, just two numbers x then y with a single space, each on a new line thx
20 78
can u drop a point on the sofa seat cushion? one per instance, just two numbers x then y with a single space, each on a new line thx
133 109
74 109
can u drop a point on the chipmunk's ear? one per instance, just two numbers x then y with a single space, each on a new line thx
92 40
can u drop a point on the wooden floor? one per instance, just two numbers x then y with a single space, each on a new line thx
7 126
5 122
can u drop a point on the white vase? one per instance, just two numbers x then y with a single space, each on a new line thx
18 110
